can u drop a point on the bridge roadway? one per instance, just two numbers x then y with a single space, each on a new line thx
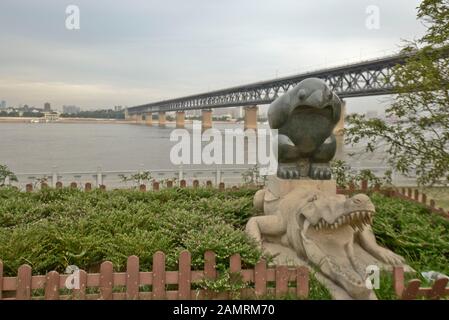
366 78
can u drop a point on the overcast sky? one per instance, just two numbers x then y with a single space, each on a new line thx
133 52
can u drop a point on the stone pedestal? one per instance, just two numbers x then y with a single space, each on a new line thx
280 187
180 119
206 122
149 119
161 119
251 117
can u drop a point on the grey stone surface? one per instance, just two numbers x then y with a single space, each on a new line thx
305 117
306 221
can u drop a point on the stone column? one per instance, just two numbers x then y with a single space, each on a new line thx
251 117
180 119
338 130
161 118
206 123
149 119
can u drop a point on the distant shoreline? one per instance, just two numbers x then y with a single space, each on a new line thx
90 120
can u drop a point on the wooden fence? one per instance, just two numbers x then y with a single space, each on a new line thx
158 283
413 289
408 194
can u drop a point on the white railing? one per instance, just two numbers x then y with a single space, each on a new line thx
113 179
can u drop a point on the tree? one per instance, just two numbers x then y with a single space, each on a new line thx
6 173
418 140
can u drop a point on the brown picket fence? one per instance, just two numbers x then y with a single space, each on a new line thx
157 284
409 194
413 290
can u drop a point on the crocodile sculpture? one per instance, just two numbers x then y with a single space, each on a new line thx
305 117
329 231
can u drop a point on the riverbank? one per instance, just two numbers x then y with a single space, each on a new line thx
92 121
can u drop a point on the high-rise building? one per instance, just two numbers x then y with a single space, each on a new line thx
47 107
3 104
70 109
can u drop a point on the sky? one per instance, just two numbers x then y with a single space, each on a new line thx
133 52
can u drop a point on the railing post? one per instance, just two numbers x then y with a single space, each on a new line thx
99 177
181 173
54 177
218 176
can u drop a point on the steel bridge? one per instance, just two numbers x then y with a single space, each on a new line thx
367 78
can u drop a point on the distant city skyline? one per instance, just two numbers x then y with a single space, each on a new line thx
128 54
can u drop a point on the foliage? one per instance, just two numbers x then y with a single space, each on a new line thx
5 173
137 178
417 138
52 228
97 114
344 175
252 176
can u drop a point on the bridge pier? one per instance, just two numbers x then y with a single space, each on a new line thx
251 117
134 118
149 119
180 119
161 119
141 119
206 122
339 128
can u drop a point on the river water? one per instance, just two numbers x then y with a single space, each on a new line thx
79 147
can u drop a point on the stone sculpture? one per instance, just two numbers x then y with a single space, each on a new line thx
304 220
326 230
305 117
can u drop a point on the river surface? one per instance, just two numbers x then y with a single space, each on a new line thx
28 148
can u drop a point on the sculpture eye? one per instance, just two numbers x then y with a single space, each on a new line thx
301 94
357 201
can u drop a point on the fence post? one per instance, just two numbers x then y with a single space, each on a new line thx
29 187
302 282
169 184
364 185
416 194
102 187
196 183
281 281
182 183
132 278
159 275
87 186
260 278
73 185
23 291
1 279
99 177
210 271
155 186
424 198
184 275
106 280
209 184
221 186
143 188
52 286
58 185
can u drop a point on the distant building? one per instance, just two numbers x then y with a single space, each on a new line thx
47 107
118 108
51 116
71 109
3 104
